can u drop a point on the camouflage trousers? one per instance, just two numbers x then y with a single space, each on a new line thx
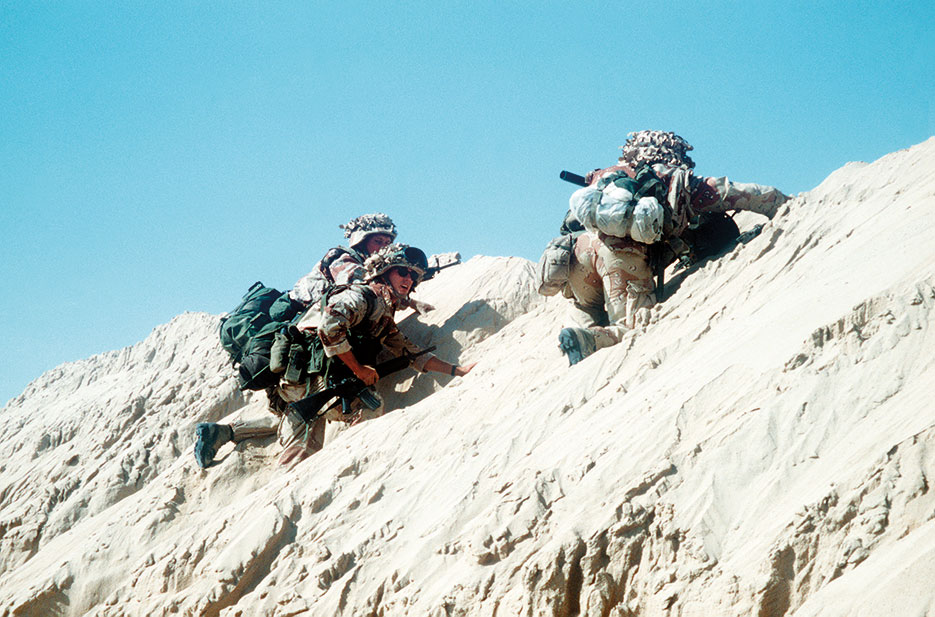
258 428
611 284
313 438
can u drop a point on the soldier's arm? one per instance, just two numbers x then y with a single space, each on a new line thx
343 311
722 195
398 344
364 372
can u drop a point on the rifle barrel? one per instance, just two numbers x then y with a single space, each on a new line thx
574 178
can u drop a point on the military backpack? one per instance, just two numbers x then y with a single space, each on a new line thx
554 266
280 351
262 311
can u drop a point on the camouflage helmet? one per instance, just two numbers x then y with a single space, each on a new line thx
359 229
401 255
651 147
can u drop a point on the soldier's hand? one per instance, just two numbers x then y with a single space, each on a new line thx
367 374
461 371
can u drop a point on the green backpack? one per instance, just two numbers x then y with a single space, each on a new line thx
275 349
260 307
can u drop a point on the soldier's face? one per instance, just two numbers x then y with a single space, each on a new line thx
375 242
401 280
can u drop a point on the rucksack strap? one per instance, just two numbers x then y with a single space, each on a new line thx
649 184
368 293
330 257
356 339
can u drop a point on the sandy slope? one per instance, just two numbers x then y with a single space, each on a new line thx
764 447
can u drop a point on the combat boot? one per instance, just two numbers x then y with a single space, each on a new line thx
211 436
577 344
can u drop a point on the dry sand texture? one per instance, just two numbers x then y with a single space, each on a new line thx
764 447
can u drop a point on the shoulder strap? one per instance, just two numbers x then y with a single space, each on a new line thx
328 292
330 257
371 300
368 294
649 183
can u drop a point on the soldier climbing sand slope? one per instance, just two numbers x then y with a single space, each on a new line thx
626 217
351 328
340 265
296 362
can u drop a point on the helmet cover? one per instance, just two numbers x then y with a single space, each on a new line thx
651 147
359 229
396 255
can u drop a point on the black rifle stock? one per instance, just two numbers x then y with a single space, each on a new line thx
574 178
349 388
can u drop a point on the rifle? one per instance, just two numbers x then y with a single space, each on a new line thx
433 270
574 178
437 263
657 261
349 388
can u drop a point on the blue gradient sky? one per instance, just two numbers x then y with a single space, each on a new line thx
159 157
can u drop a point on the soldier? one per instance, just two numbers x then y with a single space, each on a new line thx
341 265
366 235
610 275
354 324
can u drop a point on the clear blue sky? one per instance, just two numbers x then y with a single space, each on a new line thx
159 157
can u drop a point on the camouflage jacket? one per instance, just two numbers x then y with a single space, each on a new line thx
339 266
367 309
688 195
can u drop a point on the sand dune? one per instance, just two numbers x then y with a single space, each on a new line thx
763 447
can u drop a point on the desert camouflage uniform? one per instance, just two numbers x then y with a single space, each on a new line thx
339 266
611 281
612 286
345 266
349 310
690 195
